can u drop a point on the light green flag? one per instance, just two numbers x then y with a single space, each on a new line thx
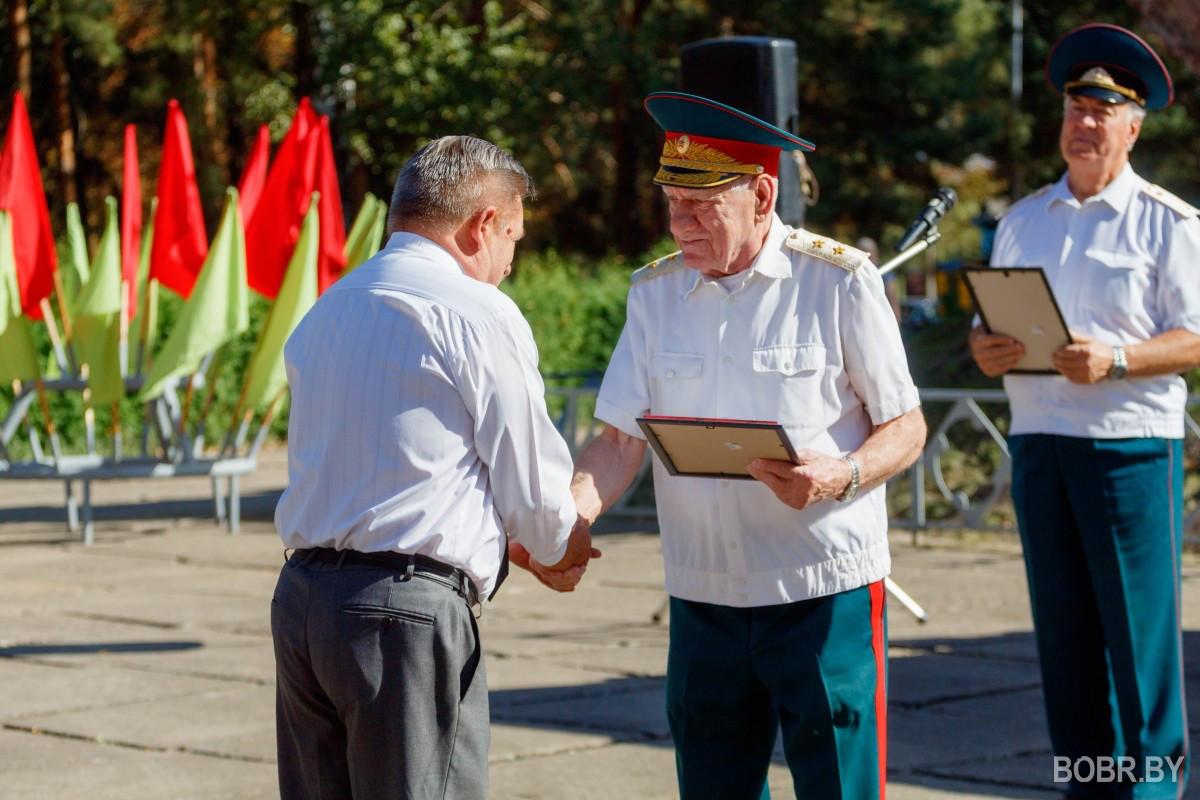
265 375
363 240
76 276
18 355
143 329
217 310
377 230
98 317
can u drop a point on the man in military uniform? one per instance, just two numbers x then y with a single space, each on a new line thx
1097 450
776 584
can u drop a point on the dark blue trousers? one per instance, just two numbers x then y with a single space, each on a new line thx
1101 526
815 669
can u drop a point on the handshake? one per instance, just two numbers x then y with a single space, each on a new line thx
563 576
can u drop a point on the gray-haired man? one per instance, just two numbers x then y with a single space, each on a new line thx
418 436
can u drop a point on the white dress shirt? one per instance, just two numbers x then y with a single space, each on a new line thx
418 420
801 342
1124 267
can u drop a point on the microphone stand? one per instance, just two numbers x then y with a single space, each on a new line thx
913 250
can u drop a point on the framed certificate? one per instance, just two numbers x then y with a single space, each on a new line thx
1017 302
714 448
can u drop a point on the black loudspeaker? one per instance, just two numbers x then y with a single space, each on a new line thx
755 74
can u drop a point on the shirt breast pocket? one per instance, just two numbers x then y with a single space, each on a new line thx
675 383
1117 279
788 380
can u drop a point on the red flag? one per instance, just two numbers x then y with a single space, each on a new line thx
331 258
131 220
272 232
254 176
22 194
180 241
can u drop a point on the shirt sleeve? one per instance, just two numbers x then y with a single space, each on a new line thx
1178 296
874 355
625 391
529 465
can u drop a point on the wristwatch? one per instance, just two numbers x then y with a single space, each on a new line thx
851 490
1120 367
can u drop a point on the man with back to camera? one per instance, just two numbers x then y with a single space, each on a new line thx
776 584
1097 458
418 435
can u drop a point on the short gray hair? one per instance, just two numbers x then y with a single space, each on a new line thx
453 178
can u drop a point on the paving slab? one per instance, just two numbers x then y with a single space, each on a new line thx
52 767
226 723
142 667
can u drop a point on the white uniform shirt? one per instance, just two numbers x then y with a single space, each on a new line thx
1124 267
802 342
418 421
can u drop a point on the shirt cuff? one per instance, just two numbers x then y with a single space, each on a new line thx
1187 322
889 409
620 419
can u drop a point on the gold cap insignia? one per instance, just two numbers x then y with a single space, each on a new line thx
1101 78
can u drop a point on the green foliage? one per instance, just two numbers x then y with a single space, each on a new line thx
900 96
575 309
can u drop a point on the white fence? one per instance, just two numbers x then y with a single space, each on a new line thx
961 480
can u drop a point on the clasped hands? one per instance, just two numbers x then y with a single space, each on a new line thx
1084 361
566 574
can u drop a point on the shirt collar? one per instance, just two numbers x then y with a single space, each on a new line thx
408 242
767 263
1116 195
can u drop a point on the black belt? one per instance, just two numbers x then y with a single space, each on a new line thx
408 563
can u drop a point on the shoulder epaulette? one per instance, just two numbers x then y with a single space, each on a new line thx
1180 207
656 268
1026 199
822 247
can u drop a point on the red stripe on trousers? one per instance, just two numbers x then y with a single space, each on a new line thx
880 646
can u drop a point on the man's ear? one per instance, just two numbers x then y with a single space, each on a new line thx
1135 129
764 196
477 230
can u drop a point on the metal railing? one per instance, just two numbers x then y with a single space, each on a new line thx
961 480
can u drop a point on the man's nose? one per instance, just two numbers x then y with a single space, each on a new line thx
682 219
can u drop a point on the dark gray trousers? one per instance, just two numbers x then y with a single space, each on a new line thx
381 691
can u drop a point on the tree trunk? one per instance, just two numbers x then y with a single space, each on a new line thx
66 126
476 20
236 144
22 46
305 62
205 66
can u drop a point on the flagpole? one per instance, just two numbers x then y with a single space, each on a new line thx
116 429
55 339
51 431
123 341
211 392
145 326
122 365
187 406
69 337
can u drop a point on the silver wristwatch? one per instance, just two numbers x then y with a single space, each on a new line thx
851 490
1120 367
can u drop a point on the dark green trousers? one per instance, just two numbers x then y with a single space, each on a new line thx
1101 525
815 669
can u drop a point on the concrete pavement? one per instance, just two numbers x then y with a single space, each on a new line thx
142 667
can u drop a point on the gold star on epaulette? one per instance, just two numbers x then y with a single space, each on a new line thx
844 256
